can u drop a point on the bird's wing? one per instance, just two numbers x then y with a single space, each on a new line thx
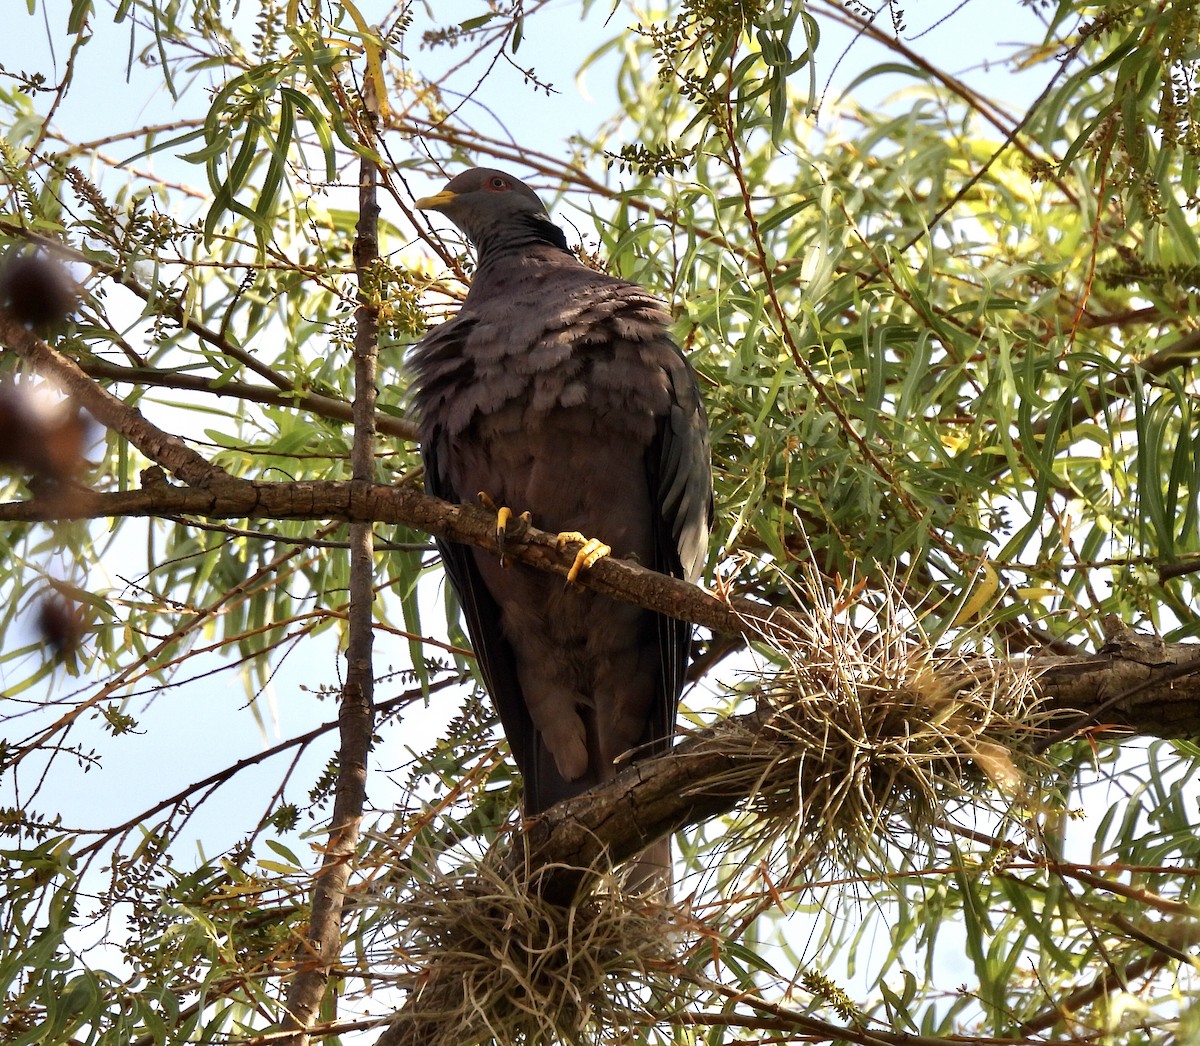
493 653
679 472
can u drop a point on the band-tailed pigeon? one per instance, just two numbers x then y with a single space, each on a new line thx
557 390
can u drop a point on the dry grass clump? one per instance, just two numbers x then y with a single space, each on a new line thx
866 734
487 960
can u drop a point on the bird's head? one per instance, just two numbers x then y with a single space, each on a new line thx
490 206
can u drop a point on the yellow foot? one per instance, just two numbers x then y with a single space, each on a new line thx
586 557
503 517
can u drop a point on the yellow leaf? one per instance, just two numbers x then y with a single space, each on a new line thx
982 593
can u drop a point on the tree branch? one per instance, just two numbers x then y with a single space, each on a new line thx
562 851
356 719
244 391
669 792
168 450
1091 402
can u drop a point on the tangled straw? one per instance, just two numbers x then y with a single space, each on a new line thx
867 734
487 960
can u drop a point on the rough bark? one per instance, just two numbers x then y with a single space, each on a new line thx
321 949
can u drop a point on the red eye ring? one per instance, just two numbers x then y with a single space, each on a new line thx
498 184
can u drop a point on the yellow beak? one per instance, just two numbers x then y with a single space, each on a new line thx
437 201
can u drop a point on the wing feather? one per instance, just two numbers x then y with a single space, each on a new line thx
680 478
493 653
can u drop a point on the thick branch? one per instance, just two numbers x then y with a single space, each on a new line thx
168 450
564 849
1157 683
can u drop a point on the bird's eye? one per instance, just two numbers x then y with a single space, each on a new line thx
497 184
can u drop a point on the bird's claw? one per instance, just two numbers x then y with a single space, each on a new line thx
592 551
504 516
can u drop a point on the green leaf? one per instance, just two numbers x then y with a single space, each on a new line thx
476 22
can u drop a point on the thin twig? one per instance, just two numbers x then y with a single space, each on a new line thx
310 402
